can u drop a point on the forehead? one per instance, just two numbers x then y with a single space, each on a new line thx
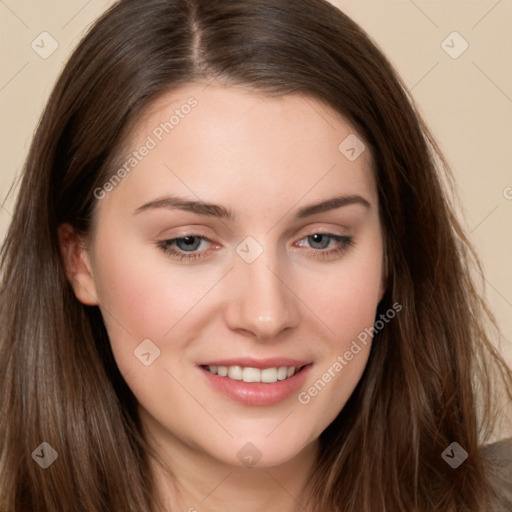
232 144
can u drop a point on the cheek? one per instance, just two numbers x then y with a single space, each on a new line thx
343 362
332 385
347 304
347 296
141 296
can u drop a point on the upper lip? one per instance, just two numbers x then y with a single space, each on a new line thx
249 362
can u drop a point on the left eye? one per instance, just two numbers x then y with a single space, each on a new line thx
186 246
322 239
188 243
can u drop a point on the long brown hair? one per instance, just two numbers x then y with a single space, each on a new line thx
59 381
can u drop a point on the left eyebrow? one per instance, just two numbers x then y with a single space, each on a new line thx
188 205
219 211
332 204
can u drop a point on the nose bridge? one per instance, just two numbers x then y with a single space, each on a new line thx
262 303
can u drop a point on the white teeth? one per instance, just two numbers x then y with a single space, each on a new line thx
248 374
235 372
281 373
251 375
269 375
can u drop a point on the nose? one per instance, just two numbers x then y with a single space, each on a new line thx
262 302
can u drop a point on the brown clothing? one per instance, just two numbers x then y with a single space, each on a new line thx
498 458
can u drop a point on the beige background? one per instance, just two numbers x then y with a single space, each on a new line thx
467 101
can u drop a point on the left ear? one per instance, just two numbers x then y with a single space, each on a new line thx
76 259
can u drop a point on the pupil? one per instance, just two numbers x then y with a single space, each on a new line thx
188 242
321 240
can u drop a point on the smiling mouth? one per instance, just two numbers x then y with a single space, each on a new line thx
249 374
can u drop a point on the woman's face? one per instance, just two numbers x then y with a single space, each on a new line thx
243 237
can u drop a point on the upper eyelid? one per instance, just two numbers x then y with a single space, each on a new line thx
207 239
319 227
314 230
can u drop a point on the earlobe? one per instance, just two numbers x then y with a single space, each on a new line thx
76 260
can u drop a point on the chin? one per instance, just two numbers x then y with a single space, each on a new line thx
261 452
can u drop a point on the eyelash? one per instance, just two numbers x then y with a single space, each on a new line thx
344 243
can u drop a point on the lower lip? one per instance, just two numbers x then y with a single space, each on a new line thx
256 393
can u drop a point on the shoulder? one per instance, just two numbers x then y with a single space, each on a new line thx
498 460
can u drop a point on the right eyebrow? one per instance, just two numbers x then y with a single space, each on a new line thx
181 203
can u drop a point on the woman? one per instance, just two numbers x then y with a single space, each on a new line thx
233 280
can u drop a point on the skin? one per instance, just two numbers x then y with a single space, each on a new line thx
264 158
